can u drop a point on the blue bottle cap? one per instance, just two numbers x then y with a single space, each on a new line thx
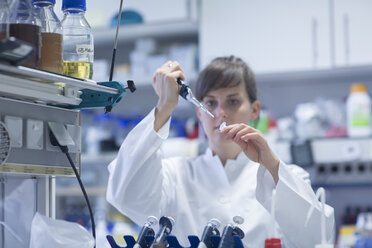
50 1
74 4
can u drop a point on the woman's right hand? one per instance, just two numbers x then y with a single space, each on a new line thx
166 87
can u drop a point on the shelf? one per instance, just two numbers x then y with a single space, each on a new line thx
30 84
316 75
76 191
130 33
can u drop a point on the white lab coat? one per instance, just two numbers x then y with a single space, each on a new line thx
195 190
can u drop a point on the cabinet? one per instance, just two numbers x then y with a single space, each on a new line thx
288 35
352 29
270 35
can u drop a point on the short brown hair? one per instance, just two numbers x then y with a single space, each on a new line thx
226 72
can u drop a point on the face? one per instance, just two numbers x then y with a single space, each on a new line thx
230 105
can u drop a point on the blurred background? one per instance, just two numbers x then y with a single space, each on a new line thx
307 55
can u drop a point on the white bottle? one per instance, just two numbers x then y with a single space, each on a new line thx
358 111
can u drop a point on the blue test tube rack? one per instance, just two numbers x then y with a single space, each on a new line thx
172 241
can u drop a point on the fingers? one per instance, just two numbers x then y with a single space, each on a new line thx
231 131
242 132
171 66
166 72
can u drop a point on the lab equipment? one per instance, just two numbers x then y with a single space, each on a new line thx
273 242
187 94
14 51
51 36
320 193
146 230
92 98
363 231
4 18
222 126
4 143
25 25
165 228
210 229
78 49
229 233
359 111
272 212
116 42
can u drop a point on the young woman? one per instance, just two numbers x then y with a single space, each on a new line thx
234 177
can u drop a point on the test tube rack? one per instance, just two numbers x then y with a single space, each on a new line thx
173 242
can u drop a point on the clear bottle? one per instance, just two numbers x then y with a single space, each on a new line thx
4 18
78 48
25 25
358 111
51 34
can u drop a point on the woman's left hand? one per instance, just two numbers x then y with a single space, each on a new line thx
254 145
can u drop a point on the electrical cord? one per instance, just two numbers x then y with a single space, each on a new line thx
64 149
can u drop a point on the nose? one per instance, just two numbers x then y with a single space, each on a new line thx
220 112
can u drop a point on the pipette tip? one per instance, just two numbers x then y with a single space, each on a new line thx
207 111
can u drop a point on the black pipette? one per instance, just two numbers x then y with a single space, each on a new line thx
166 224
210 229
227 237
187 94
146 230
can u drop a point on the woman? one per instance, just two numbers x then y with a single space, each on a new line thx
235 176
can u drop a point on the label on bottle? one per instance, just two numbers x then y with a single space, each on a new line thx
84 49
361 117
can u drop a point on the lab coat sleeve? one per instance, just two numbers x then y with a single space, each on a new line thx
293 199
137 182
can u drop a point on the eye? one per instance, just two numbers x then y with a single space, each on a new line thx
233 102
210 103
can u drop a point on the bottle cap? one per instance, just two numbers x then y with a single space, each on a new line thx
44 1
74 4
358 87
273 243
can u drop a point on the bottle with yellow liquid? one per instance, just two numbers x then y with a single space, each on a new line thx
78 47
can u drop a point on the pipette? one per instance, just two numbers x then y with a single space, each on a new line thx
146 230
210 229
187 94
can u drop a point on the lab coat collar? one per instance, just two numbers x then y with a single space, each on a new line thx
240 161
241 158
228 173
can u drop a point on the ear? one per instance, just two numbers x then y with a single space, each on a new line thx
256 106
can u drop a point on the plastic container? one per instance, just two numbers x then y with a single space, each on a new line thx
25 25
78 48
51 36
358 111
4 18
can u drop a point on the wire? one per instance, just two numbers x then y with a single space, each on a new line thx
115 42
65 151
